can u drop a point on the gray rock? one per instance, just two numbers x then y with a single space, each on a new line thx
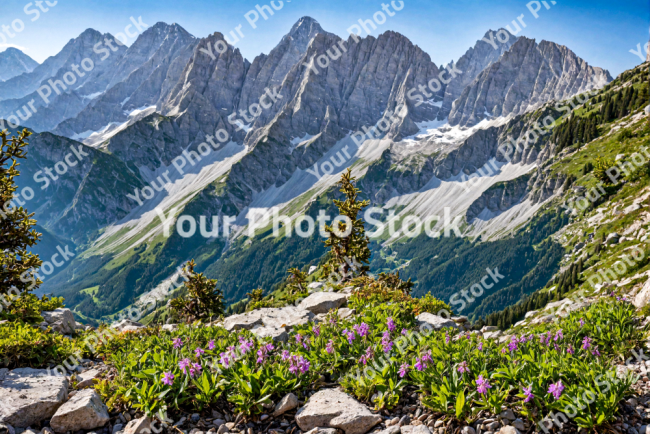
508 414
223 429
320 430
276 334
489 329
643 297
331 408
428 321
323 302
519 424
28 396
86 378
286 317
391 429
345 312
467 430
83 411
419 429
117 428
138 426
126 325
289 402
6 429
521 79
170 327
509 430
61 320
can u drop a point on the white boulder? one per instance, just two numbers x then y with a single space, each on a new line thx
323 302
28 396
332 408
429 321
85 410
61 320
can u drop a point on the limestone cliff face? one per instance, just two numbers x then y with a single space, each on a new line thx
516 141
144 75
499 197
525 77
18 92
484 53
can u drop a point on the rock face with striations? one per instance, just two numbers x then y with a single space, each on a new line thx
71 98
28 396
143 76
525 77
484 53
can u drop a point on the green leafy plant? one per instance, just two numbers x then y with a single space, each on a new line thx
203 301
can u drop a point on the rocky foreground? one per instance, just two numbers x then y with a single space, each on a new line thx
46 402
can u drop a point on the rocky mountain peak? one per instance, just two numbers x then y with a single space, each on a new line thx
303 32
14 62
526 76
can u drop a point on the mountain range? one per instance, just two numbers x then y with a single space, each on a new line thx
143 107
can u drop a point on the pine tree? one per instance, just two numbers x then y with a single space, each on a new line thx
297 282
349 253
17 264
203 301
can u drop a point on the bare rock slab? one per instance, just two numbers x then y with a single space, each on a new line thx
86 378
643 297
138 426
84 411
332 408
429 321
289 402
28 396
323 302
61 320
126 325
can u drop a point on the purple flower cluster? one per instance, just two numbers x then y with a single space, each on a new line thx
570 350
556 389
349 335
480 346
211 345
298 364
316 330
178 342
512 346
370 354
227 358
168 378
386 343
330 347
586 343
558 336
194 368
529 394
403 370
422 363
199 352
263 352
245 345
391 325
482 385
362 329
463 368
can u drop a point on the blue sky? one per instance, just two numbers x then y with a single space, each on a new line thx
601 32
